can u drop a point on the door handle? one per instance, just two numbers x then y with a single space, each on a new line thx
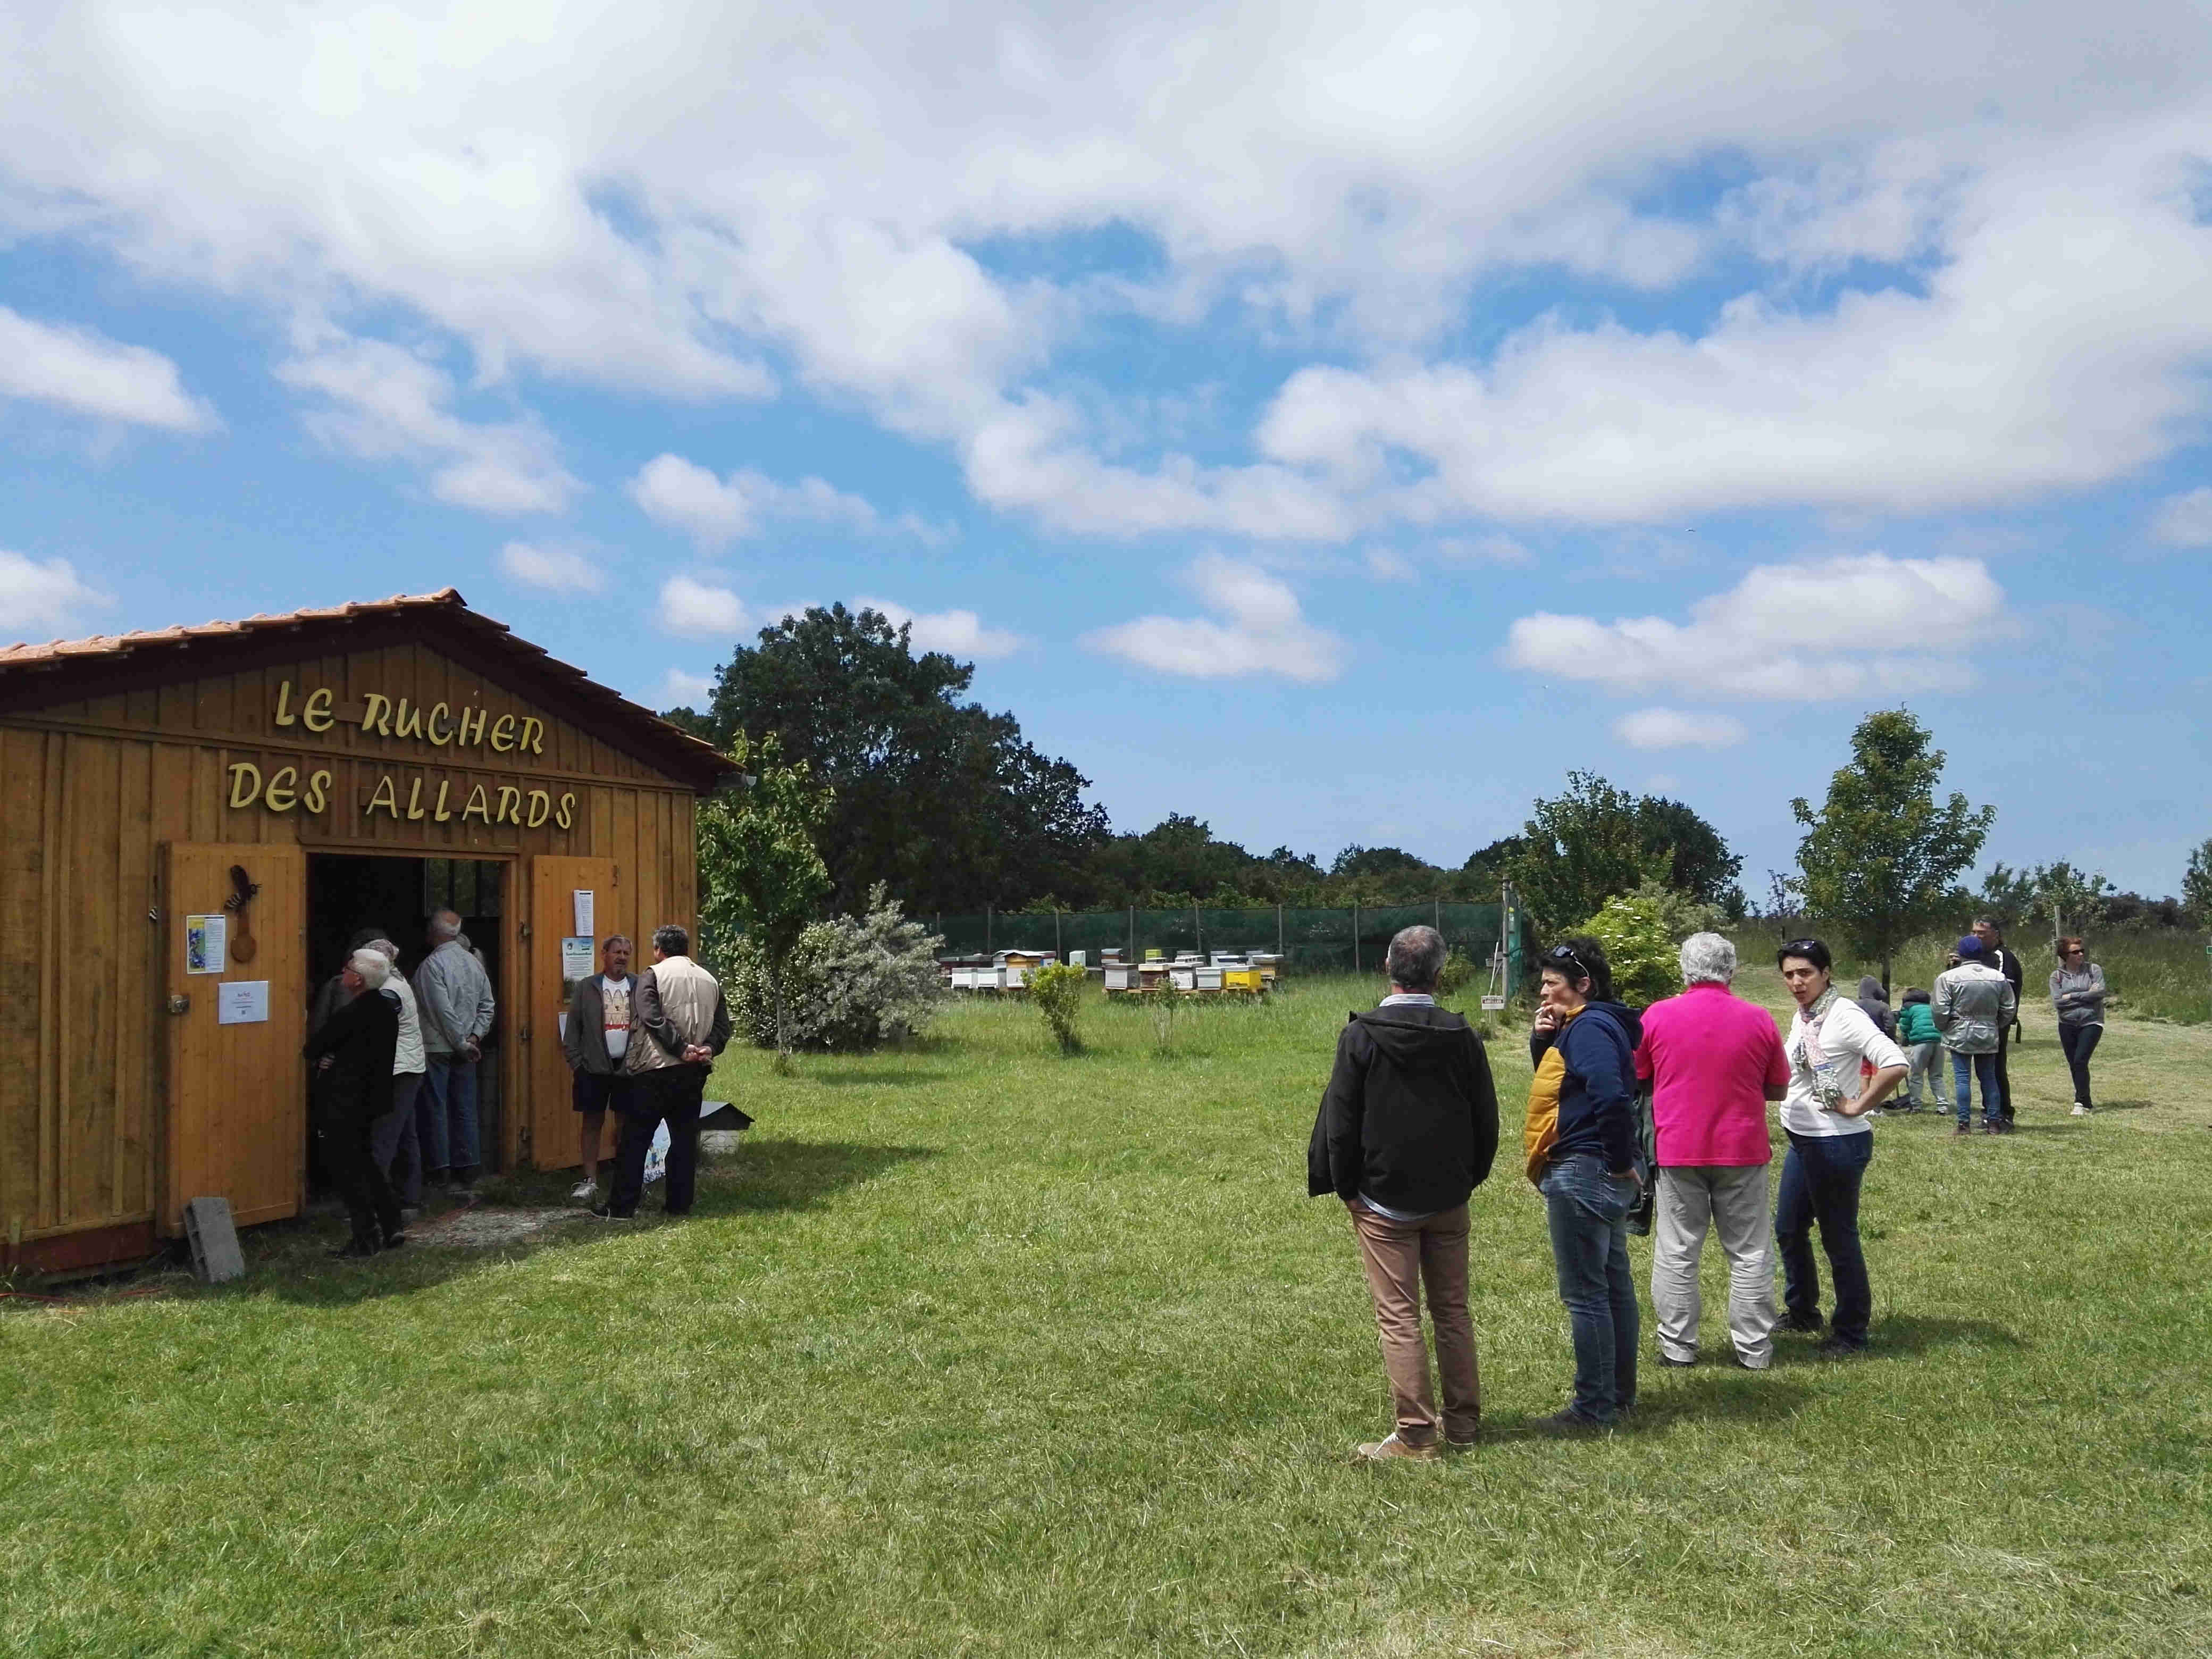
180 1004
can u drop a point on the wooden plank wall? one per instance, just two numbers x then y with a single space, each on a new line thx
96 788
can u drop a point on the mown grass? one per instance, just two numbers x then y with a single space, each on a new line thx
977 1350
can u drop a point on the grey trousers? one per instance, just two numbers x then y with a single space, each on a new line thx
394 1134
1731 1201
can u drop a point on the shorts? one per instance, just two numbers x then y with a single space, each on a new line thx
591 1092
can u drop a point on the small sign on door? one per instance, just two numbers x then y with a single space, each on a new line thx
583 896
242 1002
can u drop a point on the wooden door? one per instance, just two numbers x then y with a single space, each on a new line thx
547 1135
236 1092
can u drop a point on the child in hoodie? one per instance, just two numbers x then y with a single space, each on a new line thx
1923 1049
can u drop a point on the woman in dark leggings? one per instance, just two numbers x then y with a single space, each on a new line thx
2077 994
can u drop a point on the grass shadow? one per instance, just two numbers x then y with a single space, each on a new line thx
290 1261
2122 1106
1714 1392
1903 1334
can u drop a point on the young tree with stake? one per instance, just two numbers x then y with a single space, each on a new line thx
758 863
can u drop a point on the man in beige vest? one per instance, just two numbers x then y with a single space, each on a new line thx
678 1023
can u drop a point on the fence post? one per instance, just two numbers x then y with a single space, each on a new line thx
1355 936
1056 933
1133 932
1278 930
986 930
1198 928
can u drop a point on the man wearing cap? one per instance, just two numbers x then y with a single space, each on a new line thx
2006 960
1972 1004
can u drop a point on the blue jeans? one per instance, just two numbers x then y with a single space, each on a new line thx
446 1114
1820 1180
1965 1069
1589 1213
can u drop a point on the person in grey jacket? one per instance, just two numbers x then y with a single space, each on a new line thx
1972 1004
453 996
595 1038
2077 996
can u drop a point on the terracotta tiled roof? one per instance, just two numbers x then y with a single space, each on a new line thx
117 645
444 611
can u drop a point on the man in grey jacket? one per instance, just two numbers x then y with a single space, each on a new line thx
595 1037
678 1023
453 997
1972 1004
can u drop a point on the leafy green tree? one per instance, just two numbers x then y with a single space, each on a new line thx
1699 865
2008 894
1579 849
2070 899
2197 884
1881 853
937 797
760 873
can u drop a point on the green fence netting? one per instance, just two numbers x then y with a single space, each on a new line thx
1353 940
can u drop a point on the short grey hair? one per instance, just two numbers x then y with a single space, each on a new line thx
1707 959
390 950
372 964
445 924
671 940
612 939
1416 960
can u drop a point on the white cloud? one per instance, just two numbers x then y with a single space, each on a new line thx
382 403
556 569
1387 565
87 373
2185 521
576 194
697 610
957 633
1840 628
1492 550
1676 728
44 598
678 690
1257 628
681 495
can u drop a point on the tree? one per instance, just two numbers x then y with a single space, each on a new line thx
2068 898
1881 853
2197 884
758 865
939 798
1698 862
2008 895
1580 849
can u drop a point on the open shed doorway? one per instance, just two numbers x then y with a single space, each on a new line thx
348 894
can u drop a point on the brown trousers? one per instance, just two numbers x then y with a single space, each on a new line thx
1400 1260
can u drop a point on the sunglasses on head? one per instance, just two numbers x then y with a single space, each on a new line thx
1559 954
1799 947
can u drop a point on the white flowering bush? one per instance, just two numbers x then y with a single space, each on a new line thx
854 982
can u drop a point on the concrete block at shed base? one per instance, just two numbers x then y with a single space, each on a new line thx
214 1239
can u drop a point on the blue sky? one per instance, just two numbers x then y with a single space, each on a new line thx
1337 422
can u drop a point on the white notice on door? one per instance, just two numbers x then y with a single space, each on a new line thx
584 912
241 1002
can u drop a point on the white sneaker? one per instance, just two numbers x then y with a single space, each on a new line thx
2080 1110
585 1189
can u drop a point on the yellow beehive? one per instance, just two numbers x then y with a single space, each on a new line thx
1244 979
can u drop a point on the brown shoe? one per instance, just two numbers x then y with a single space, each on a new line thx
1385 1451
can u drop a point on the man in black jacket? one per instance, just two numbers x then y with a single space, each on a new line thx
2002 957
1407 1131
352 1051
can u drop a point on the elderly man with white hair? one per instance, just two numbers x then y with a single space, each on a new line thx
354 1050
1714 1061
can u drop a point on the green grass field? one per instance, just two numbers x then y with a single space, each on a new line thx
974 1350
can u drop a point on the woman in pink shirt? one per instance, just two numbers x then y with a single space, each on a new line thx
1714 1061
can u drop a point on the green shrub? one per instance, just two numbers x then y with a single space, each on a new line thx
1057 989
1639 945
850 983
1459 972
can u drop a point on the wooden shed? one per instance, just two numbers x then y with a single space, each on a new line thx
363 765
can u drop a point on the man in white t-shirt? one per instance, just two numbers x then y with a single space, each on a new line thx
1841 1068
596 1040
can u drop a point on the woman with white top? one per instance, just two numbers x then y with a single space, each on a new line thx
2077 996
1841 1068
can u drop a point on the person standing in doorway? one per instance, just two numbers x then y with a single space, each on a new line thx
1580 1141
1841 1068
1714 1061
1408 1130
352 1051
2077 996
2000 956
1973 1003
596 1040
392 1139
678 1023
454 995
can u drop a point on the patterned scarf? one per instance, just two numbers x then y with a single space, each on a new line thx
1807 1055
